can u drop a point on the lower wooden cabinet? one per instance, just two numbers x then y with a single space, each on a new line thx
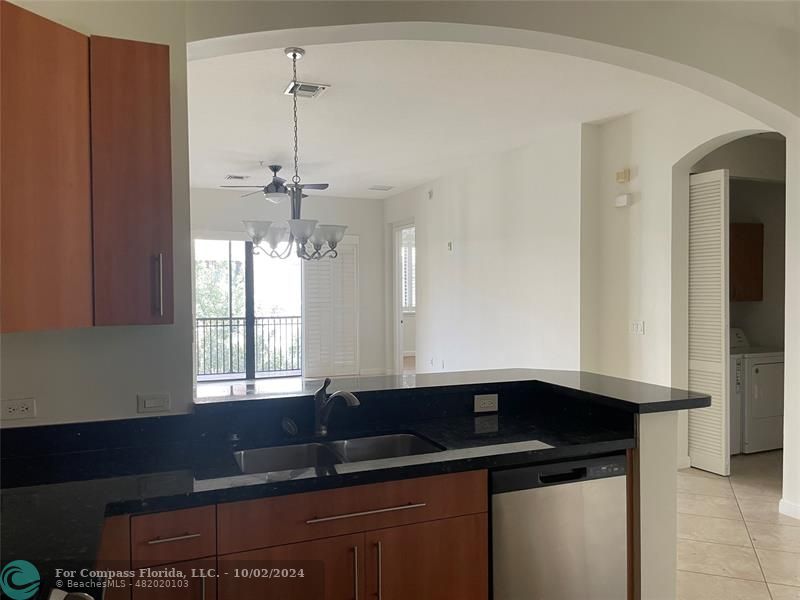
425 538
446 559
327 569
169 587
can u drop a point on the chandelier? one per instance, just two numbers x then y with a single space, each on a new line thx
309 240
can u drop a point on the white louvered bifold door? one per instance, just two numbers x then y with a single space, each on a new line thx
330 314
709 431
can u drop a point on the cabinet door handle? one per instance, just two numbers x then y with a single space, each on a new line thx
380 570
161 284
175 538
363 513
355 572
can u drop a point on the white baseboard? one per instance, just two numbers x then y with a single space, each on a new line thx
684 462
790 509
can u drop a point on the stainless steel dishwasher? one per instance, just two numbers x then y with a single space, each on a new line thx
559 531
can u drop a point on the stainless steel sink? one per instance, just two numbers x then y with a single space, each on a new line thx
326 454
382 446
285 458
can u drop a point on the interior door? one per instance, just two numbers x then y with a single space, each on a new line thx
709 344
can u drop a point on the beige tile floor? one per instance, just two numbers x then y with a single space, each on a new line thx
733 544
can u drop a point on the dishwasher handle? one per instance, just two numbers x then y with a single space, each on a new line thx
563 477
572 471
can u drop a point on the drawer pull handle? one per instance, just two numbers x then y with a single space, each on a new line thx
161 284
177 538
364 513
355 572
380 570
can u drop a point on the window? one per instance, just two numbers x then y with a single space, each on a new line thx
247 312
408 257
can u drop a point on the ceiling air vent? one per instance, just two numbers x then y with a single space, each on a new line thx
305 89
381 188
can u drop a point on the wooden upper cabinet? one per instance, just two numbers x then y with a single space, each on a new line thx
45 200
131 182
747 262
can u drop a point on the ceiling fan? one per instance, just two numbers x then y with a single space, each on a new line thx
277 190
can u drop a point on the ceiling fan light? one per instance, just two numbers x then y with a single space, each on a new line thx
257 230
276 196
302 229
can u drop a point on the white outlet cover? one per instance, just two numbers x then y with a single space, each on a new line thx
150 403
19 408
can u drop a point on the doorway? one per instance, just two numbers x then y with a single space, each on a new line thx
405 301
737 237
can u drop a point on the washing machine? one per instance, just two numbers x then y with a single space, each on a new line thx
756 396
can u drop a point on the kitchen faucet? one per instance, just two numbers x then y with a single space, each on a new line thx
323 404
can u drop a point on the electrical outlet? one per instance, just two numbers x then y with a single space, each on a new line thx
149 403
486 403
637 327
19 408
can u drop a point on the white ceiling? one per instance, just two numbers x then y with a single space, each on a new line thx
398 113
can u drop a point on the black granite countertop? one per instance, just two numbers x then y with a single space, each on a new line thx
54 502
626 394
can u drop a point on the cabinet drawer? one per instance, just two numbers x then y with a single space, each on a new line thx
273 521
173 536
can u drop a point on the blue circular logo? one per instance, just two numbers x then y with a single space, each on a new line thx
19 580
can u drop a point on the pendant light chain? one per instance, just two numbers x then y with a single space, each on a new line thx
296 176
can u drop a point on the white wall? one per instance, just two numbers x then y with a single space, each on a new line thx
754 157
94 374
763 202
222 212
643 253
508 294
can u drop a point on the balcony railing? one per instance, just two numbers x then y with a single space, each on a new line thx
220 347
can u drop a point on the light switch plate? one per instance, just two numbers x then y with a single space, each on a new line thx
637 327
486 403
150 403
19 408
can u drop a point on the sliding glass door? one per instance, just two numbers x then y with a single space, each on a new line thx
247 312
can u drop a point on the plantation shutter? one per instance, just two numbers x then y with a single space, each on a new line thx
330 313
709 431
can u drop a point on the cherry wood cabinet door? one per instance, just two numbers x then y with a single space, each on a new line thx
163 581
131 182
446 559
331 568
45 195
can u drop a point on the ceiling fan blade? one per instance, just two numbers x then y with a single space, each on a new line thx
250 194
252 187
314 186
